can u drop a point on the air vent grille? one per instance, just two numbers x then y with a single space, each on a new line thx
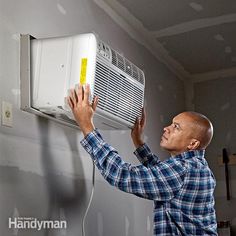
117 94
120 62
126 66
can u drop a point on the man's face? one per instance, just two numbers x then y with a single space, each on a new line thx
178 135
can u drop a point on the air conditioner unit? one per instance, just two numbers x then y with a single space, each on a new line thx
50 67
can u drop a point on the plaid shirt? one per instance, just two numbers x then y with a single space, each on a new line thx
181 187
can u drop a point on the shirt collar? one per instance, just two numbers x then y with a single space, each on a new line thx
190 154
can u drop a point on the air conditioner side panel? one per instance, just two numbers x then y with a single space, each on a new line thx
56 67
50 65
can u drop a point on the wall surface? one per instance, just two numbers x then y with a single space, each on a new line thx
44 173
216 99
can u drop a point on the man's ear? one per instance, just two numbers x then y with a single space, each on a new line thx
194 144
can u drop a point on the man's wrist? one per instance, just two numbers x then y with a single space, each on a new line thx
138 144
88 129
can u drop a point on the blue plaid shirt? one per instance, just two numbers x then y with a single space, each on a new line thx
181 187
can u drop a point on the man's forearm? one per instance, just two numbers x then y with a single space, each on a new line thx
145 155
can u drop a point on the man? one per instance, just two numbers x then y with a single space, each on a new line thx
181 187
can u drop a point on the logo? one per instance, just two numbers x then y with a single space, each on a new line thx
34 223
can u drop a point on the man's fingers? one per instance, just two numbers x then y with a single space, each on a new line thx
95 103
69 101
143 118
86 93
136 124
72 96
80 93
75 95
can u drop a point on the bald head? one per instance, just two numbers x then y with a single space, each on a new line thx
202 128
188 131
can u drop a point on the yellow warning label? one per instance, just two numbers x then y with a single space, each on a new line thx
83 71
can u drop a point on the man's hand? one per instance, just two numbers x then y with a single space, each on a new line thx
83 111
138 129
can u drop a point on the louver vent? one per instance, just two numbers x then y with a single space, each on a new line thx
126 66
117 95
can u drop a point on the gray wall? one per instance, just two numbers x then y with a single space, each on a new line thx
216 99
44 173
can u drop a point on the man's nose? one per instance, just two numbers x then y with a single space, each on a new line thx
166 129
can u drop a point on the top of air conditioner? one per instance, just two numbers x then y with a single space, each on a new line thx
50 67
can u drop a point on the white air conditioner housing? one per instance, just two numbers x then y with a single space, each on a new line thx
55 65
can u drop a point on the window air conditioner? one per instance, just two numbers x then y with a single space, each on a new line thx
50 67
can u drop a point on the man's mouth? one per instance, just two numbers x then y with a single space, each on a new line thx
163 137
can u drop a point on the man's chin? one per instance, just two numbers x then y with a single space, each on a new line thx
162 145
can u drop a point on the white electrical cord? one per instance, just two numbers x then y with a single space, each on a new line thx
90 201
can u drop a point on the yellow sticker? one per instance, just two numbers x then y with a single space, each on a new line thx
83 71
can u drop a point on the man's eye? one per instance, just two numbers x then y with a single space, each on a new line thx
176 126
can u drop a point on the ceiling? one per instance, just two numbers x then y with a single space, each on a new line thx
195 38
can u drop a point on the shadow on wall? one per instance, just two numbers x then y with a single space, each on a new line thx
69 195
